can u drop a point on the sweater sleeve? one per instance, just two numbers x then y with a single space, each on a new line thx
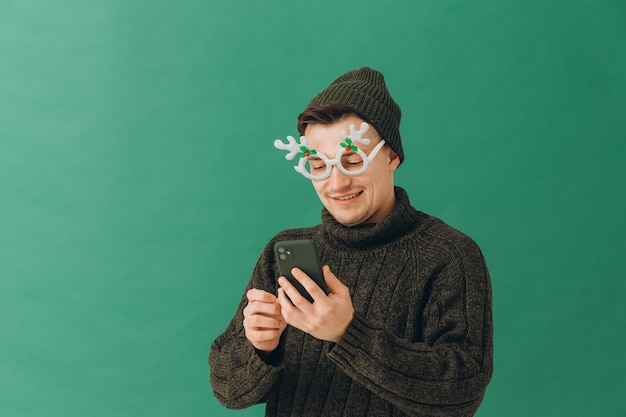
239 376
448 369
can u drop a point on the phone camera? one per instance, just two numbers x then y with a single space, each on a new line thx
283 253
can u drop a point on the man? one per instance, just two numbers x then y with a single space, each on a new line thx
406 327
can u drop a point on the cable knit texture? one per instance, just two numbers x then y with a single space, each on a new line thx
420 343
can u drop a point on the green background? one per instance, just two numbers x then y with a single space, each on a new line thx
138 183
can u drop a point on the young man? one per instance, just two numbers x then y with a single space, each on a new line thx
406 327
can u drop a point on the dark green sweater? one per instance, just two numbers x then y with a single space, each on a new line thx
420 343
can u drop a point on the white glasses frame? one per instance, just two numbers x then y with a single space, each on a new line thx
337 162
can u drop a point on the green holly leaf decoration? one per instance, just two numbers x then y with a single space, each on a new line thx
306 152
348 145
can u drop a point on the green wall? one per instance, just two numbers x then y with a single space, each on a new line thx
138 183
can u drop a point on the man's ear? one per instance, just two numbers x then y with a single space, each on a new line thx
394 160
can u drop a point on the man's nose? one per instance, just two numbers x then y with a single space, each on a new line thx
338 179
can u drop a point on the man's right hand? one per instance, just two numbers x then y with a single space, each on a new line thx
263 321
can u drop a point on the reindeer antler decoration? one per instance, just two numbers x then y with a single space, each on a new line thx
357 135
301 149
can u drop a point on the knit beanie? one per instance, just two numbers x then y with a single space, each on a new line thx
364 91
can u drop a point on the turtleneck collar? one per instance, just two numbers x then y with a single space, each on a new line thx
397 223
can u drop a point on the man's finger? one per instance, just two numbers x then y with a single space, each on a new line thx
260 295
333 283
290 291
307 282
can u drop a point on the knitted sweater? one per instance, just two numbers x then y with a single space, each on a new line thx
420 343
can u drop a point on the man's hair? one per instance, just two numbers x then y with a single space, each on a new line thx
325 114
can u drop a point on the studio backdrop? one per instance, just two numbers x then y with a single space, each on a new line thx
139 183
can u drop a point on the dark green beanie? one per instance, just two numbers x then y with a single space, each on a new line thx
364 91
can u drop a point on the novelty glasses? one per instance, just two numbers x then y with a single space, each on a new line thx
314 165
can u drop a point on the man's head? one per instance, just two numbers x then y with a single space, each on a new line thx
350 147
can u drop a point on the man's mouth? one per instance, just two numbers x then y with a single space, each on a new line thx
348 197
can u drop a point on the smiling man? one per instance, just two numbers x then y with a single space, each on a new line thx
405 328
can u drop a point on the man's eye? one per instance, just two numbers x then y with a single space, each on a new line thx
352 161
317 164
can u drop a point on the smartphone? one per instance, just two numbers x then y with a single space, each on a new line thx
301 254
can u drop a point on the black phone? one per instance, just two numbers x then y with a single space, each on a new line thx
301 254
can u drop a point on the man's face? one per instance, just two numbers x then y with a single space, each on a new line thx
351 200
